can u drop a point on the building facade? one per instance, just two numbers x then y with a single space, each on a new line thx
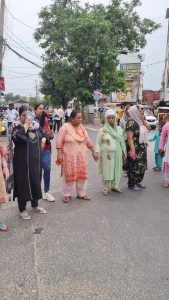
149 96
130 63
165 80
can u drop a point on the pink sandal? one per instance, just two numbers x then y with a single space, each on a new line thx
165 184
67 199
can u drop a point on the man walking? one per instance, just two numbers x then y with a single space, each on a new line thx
12 114
67 114
57 115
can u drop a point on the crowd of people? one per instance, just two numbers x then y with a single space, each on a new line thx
121 145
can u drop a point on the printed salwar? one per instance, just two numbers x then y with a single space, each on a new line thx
136 168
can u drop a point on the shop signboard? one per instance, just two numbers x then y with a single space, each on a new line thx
131 69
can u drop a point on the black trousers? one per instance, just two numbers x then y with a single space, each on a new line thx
22 204
57 123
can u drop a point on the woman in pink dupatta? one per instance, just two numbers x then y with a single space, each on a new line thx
164 150
72 144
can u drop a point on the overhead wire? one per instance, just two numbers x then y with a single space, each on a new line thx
21 56
31 74
10 67
15 18
155 63
21 43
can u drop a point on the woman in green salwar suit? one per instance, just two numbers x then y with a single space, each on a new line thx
111 150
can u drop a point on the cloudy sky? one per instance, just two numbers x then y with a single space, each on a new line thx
21 77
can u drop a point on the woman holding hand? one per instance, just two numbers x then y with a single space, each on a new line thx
72 144
111 150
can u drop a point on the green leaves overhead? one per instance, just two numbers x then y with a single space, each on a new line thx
74 37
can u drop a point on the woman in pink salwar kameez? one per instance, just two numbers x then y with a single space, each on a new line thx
72 144
164 150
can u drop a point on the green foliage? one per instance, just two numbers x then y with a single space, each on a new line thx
32 102
10 97
74 37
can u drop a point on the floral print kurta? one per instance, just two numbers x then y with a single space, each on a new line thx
136 168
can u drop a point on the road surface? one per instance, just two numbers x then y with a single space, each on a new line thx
111 248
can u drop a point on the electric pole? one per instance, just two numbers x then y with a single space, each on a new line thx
2 14
37 93
166 72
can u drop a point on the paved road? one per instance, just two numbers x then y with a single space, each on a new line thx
113 248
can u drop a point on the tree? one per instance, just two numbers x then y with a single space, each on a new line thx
75 37
32 101
10 97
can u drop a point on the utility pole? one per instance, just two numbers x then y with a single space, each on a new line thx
2 14
166 72
37 93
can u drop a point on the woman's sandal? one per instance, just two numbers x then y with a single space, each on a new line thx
67 199
165 185
116 190
105 192
85 197
3 227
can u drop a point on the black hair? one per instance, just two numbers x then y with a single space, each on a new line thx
74 114
22 109
161 124
37 105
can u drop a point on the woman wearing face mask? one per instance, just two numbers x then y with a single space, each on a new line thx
27 163
111 150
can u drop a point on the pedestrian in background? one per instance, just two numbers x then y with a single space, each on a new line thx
111 150
12 114
68 113
58 116
41 117
27 163
4 174
120 114
156 137
72 144
125 117
164 151
137 141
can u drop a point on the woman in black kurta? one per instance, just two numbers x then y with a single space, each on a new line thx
27 163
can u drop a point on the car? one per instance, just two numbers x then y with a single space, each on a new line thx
152 121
